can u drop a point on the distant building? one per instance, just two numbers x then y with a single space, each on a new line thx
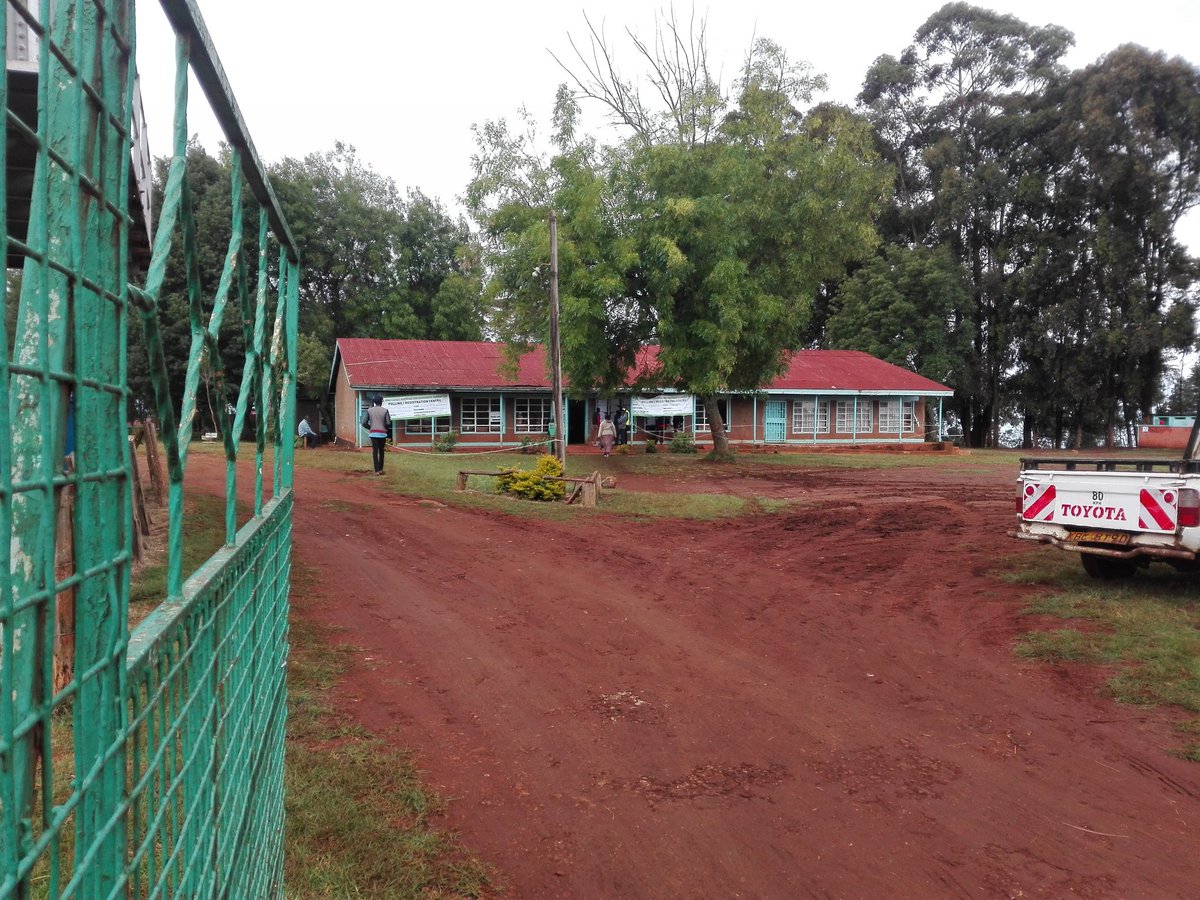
1166 432
826 397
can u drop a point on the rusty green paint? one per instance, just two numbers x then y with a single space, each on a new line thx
177 728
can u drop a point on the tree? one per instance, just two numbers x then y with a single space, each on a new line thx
375 264
949 112
909 306
1133 119
707 232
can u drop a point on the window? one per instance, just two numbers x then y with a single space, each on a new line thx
700 417
532 415
479 414
864 416
893 412
845 417
424 426
810 417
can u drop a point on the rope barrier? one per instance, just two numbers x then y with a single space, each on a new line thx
429 452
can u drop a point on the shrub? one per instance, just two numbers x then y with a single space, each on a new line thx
623 449
446 442
533 484
533 444
651 445
683 442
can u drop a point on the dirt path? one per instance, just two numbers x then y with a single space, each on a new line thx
818 704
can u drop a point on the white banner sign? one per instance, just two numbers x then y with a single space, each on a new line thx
418 406
664 405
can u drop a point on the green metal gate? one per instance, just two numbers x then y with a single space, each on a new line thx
775 422
156 770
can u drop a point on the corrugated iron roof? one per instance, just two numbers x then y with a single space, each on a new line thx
371 363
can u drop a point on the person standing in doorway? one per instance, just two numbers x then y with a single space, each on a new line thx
622 423
378 422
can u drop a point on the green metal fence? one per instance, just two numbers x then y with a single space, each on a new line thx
155 769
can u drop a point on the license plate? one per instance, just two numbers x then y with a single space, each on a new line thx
1097 537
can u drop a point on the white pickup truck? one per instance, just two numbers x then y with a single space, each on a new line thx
1116 514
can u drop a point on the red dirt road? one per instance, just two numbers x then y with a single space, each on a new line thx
821 703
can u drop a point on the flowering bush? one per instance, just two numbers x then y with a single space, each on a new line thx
534 484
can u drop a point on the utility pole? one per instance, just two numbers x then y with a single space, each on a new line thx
560 437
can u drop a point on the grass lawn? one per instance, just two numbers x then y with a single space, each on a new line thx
433 475
1146 629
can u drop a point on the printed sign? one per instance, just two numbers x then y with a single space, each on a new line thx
418 406
664 405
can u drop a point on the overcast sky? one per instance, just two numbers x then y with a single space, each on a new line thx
403 83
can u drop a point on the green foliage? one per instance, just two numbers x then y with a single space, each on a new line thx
909 306
683 442
375 263
534 484
651 445
1057 195
444 443
689 235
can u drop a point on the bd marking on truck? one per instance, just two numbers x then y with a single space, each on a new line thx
1158 507
1039 501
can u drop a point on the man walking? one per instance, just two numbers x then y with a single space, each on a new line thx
378 422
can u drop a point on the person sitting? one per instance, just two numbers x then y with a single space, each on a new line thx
307 434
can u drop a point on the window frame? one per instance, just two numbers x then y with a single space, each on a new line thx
422 425
525 427
700 415
844 424
493 411
901 416
819 413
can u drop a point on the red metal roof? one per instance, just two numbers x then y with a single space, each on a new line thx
371 363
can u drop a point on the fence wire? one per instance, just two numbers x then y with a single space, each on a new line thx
146 764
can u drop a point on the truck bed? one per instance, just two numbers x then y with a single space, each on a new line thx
1109 464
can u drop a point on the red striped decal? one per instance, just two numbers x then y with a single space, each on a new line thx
1162 518
1032 510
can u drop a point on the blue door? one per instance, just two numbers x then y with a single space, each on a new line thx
775 427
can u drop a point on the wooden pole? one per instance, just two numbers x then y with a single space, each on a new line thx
64 602
154 464
560 437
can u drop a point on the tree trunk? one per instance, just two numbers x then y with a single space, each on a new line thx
154 462
716 425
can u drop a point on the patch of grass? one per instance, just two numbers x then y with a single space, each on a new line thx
680 506
1147 629
358 818
1060 645
771 505
1043 565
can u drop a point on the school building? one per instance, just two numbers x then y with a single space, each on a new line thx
826 397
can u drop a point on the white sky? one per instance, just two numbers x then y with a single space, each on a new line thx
404 82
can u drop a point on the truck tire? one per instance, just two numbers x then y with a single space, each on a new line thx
1107 568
